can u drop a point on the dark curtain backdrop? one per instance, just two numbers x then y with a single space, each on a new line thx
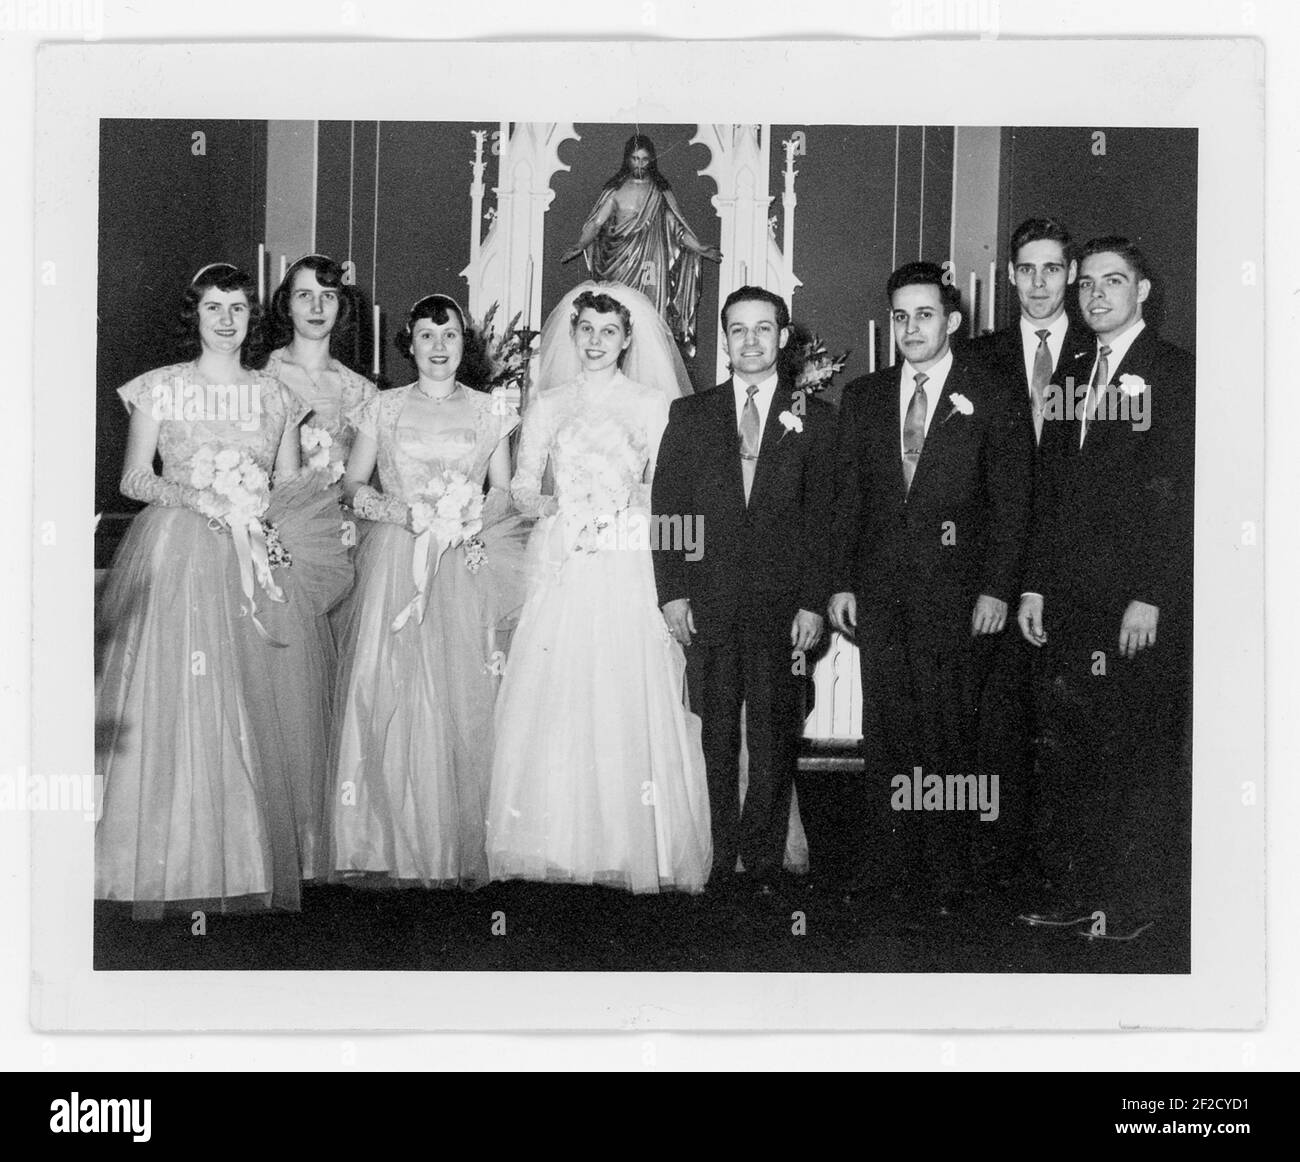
164 211
1143 186
413 199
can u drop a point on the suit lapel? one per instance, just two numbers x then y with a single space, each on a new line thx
939 435
727 438
770 446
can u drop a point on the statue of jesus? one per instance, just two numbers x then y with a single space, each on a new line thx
636 235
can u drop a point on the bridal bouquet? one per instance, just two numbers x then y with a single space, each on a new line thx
316 444
447 512
592 509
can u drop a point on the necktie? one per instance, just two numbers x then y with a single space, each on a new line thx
1042 376
750 434
914 430
1100 381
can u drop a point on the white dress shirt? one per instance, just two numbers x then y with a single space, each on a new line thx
762 398
933 388
1029 329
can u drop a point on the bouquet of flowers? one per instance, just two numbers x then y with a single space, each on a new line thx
238 487
446 513
316 444
450 508
507 356
812 365
593 507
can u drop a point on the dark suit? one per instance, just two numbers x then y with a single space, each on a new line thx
1007 722
917 561
1112 525
760 565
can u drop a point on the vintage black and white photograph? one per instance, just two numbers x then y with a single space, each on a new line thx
678 546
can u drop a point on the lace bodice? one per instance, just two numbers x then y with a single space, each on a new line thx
418 438
332 395
601 443
193 414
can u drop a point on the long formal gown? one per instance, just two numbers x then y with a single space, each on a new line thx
196 765
322 571
598 774
413 708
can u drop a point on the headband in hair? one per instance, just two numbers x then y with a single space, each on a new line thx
211 265
445 298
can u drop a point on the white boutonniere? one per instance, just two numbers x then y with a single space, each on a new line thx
960 406
1132 385
790 422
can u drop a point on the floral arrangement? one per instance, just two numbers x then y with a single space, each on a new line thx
237 486
590 511
507 353
450 508
316 444
812 365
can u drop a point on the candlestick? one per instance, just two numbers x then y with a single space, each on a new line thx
871 345
993 276
528 295
261 272
375 343
974 284
893 347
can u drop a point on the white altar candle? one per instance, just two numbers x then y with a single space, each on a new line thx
528 295
284 267
893 347
261 272
374 365
871 346
993 275
974 285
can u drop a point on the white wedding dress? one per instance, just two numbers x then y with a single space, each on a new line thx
598 773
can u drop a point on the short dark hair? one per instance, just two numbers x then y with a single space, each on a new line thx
474 370
924 274
225 277
279 323
757 294
1117 244
1040 230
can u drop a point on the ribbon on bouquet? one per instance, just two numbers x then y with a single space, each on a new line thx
251 553
420 572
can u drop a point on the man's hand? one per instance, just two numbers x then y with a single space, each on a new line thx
806 630
680 619
1030 619
843 610
1137 630
988 616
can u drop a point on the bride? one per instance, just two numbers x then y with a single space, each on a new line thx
598 772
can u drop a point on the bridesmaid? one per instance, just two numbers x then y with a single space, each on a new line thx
438 576
309 322
197 809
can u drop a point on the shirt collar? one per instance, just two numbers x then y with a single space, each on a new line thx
1029 328
936 375
765 387
1120 344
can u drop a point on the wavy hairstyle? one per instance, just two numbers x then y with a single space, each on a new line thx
277 330
226 277
474 371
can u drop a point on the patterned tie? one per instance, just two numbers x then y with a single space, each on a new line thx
1041 378
914 430
1100 381
750 435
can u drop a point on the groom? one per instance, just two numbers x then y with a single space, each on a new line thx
752 459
